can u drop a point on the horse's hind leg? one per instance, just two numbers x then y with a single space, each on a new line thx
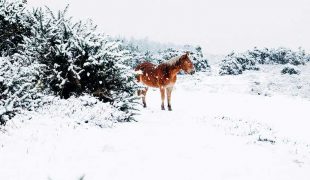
169 90
143 94
143 97
162 93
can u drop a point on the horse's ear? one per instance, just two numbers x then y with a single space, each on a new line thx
187 53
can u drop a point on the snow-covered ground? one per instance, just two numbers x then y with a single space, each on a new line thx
252 126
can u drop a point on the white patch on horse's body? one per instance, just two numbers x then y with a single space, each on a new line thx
173 60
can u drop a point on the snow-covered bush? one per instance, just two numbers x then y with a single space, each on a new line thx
13 26
19 75
82 110
286 56
235 64
261 56
139 54
290 70
51 53
18 86
278 56
196 55
79 60
199 61
133 53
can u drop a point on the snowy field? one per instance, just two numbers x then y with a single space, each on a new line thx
251 126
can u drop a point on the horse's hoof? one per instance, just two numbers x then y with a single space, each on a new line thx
169 109
162 108
144 105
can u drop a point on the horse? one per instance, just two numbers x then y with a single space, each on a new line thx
162 76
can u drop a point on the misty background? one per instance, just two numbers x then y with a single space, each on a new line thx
219 26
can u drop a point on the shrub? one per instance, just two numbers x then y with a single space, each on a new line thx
285 56
235 64
18 74
18 86
82 110
13 26
290 70
161 55
79 60
52 54
199 61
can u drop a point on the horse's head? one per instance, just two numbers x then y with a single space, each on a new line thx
186 64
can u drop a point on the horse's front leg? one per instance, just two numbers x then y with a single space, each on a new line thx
169 90
162 93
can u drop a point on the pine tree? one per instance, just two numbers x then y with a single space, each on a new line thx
53 54
18 74
13 26
79 60
200 63
18 86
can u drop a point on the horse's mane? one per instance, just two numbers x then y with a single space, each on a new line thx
173 61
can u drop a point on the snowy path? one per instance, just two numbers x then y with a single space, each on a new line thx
207 136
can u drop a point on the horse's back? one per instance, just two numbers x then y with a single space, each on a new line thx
145 66
148 74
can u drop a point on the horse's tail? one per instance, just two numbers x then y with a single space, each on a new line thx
138 72
138 77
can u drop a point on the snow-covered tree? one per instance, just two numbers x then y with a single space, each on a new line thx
196 55
140 54
134 54
234 64
18 74
19 86
290 70
13 26
237 63
48 52
79 60
260 56
200 62
284 56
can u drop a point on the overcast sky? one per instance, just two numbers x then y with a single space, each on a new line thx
219 26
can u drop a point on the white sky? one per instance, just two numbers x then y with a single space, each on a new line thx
219 26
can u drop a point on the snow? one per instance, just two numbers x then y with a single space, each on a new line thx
219 129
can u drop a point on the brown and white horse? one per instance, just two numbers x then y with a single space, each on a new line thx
163 76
